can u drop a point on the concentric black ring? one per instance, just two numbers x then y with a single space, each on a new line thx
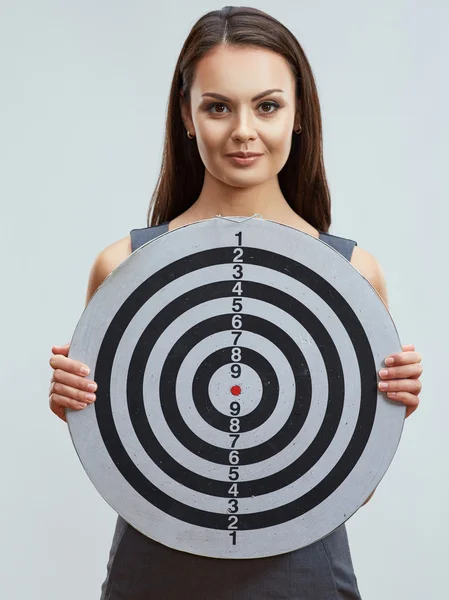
167 390
347 461
200 387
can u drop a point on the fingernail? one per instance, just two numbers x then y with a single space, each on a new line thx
392 394
389 361
92 387
82 405
383 385
84 370
90 397
383 372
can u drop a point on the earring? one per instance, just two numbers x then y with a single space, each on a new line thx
297 130
189 135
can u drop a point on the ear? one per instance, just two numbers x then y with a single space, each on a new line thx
297 121
186 114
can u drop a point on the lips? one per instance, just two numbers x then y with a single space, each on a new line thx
245 160
244 154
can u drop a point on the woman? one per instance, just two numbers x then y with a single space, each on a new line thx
242 84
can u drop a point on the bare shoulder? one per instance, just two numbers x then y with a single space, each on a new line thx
106 261
371 269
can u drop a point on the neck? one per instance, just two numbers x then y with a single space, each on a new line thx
217 198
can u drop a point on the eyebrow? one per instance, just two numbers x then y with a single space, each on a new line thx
226 99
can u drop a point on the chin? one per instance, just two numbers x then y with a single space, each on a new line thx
243 179
239 173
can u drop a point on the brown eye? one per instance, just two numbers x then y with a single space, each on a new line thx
273 105
213 105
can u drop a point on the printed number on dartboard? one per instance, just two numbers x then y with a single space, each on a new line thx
236 371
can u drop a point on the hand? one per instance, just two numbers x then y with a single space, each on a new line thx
403 378
69 387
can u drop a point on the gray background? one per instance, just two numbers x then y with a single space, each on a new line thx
83 96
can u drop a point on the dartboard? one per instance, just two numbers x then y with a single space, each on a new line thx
237 411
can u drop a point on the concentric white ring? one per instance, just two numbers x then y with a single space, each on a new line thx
344 499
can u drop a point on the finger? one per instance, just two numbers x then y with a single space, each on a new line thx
414 370
413 386
59 411
408 347
68 364
64 401
416 376
74 393
61 349
74 381
411 401
403 358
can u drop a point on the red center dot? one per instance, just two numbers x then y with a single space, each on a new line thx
236 390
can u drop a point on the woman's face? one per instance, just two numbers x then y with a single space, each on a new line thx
226 116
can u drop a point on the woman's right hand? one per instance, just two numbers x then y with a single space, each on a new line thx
69 387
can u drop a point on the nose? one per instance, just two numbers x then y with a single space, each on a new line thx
244 129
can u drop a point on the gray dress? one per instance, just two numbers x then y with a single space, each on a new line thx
142 569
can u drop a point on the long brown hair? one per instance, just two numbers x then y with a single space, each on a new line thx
302 179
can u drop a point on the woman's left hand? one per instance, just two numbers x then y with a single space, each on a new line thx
402 378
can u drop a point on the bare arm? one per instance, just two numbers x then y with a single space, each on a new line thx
106 262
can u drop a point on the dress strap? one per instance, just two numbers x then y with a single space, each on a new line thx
145 234
343 245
